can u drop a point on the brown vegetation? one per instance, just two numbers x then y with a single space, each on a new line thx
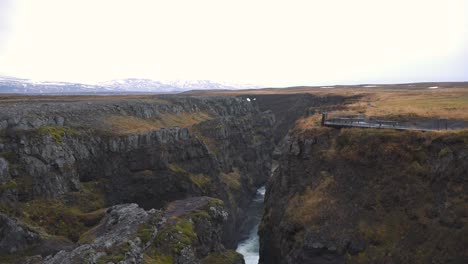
445 103
69 217
131 124
403 190
449 100
232 179
304 208
14 98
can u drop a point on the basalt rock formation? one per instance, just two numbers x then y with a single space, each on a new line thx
167 179
62 161
189 231
368 196
288 108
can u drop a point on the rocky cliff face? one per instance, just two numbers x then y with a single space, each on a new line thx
128 180
368 196
288 108
189 231
62 161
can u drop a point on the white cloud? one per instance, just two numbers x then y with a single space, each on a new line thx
264 41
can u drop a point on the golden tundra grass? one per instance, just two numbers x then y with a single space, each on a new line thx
451 103
130 124
449 100
5 98
446 103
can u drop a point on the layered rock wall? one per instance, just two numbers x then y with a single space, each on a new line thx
368 196
149 152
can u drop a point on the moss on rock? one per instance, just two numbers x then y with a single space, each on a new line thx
177 236
8 185
201 181
228 257
57 132
157 257
114 254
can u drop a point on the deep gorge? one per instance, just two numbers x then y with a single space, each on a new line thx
169 179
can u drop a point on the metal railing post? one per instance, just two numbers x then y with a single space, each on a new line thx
324 118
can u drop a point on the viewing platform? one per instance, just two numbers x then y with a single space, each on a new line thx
363 122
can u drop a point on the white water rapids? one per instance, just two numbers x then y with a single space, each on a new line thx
250 246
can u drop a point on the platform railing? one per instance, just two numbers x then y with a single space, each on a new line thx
362 121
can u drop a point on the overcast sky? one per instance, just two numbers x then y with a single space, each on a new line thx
267 42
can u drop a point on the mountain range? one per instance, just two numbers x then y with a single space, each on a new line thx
131 85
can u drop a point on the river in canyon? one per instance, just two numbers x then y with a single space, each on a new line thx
249 247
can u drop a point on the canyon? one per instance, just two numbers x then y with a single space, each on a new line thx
171 179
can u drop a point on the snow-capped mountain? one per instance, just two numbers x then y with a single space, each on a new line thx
147 85
131 85
139 85
205 85
18 85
